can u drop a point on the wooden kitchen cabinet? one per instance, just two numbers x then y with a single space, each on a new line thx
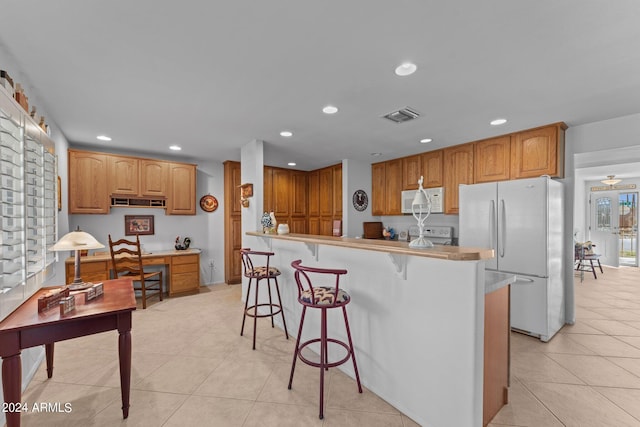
185 274
99 181
313 182
326 192
458 169
182 189
232 223
386 186
124 175
497 332
492 159
281 193
432 168
538 152
337 191
88 192
154 178
378 188
411 172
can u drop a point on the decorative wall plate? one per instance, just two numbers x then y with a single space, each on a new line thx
208 203
360 200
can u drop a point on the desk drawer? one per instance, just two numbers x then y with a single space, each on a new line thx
184 268
184 282
185 259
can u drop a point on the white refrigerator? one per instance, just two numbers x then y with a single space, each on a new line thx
522 221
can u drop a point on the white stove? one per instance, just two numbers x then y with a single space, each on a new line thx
437 234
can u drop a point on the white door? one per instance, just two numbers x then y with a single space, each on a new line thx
604 226
478 218
522 226
529 306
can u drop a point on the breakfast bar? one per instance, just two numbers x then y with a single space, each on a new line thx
417 318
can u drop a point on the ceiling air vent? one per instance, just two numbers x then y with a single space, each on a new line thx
403 115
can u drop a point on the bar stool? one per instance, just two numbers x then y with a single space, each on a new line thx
259 273
323 298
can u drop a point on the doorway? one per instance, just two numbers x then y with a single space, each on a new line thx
613 226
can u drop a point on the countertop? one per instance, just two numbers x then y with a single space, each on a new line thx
452 253
494 280
107 256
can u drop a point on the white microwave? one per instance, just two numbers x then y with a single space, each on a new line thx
435 194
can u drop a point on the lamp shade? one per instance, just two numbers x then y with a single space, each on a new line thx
76 241
420 199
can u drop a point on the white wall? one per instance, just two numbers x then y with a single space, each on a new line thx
356 175
591 144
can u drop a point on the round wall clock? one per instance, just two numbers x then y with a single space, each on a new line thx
360 200
208 203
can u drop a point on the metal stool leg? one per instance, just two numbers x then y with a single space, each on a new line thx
255 314
284 323
323 357
270 301
297 349
246 304
353 354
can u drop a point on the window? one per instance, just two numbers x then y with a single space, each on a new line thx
28 198
603 214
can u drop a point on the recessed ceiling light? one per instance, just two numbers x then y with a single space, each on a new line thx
376 154
103 138
498 122
175 147
291 163
406 69
286 133
330 109
425 140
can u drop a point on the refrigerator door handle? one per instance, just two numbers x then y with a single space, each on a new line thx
523 279
504 228
493 223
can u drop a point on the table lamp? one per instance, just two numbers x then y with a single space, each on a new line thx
421 205
77 241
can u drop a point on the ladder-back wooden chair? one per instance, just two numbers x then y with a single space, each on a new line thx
126 260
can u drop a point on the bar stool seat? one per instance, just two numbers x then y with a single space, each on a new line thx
323 298
259 273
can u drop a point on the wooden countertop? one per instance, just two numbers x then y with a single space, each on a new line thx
107 256
452 253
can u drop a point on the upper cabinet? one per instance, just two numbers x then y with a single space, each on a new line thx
538 152
123 175
154 178
285 194
525 154
492 159
98 181
411 172
458 169
386 187
182 189
88 192
432 169
377 188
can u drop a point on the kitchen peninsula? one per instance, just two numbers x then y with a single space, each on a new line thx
417 319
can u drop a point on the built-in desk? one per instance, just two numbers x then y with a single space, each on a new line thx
183 268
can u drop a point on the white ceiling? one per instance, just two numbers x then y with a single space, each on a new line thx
212 75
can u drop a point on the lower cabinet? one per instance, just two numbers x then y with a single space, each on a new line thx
182 271
185 274
496 353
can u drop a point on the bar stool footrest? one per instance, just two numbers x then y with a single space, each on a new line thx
327 364
252 308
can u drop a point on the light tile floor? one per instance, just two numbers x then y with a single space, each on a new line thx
191 368
589 373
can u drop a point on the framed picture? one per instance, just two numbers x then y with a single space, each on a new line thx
138 224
